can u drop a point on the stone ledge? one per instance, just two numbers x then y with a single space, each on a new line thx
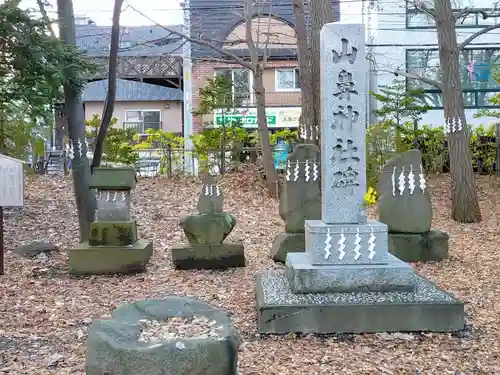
316 238
304 277
285 243
84 259
217 256
428 308
419 247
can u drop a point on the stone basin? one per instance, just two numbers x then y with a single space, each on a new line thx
114 348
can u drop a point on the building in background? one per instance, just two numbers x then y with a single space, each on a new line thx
149 87
401 38
222 20
139 106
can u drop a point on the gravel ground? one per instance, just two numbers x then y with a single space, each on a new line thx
44 314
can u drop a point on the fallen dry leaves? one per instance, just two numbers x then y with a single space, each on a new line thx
44 314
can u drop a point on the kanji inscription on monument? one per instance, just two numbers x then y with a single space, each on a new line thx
343 110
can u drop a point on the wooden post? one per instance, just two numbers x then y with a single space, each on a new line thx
2 252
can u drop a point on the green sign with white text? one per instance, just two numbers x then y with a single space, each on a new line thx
245 120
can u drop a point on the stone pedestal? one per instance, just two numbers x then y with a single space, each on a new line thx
285 243
205 233
346 280
427 308
419 247
85 259
220 256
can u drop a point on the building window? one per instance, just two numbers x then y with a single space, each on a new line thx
142 120
241 80
416 19
476 71
287 80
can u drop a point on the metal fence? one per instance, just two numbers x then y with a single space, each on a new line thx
169 162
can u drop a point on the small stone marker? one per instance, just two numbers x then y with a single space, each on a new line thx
211 196
205 233
404 204
11 192
300 199
346 281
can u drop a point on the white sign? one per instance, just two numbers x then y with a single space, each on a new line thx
11 182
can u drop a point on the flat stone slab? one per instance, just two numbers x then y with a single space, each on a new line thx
84 259
219 256
428 308
346 243
285 243
114 348
304 277
419 247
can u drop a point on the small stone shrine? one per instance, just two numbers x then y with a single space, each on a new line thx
300 199
404 205
168 336
346 280
206 232
113 246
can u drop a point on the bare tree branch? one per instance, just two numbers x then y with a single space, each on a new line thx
45 17
418 5
200 42
249 37
109 104
396 72
477 34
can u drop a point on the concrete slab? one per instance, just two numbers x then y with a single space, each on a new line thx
428 308
218 256
84 259
304 277
419 247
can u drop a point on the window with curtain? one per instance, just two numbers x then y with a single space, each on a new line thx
287 80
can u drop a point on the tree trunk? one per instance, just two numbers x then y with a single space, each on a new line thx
321 13
307 122
267 155
85 200
109 104
465 204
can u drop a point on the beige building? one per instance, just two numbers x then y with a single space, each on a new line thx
281 78
138 105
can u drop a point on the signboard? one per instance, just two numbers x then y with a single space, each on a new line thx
282 117
11 182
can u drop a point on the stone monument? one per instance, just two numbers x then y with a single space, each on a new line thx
404 205
113 246
300 199
206 232
346 280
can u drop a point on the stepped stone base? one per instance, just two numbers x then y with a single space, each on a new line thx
84 259
428 308
306 278
218 256
414 247
285 243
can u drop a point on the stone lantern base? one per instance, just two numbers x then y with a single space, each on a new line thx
112 248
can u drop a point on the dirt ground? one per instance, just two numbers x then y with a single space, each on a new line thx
44 314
